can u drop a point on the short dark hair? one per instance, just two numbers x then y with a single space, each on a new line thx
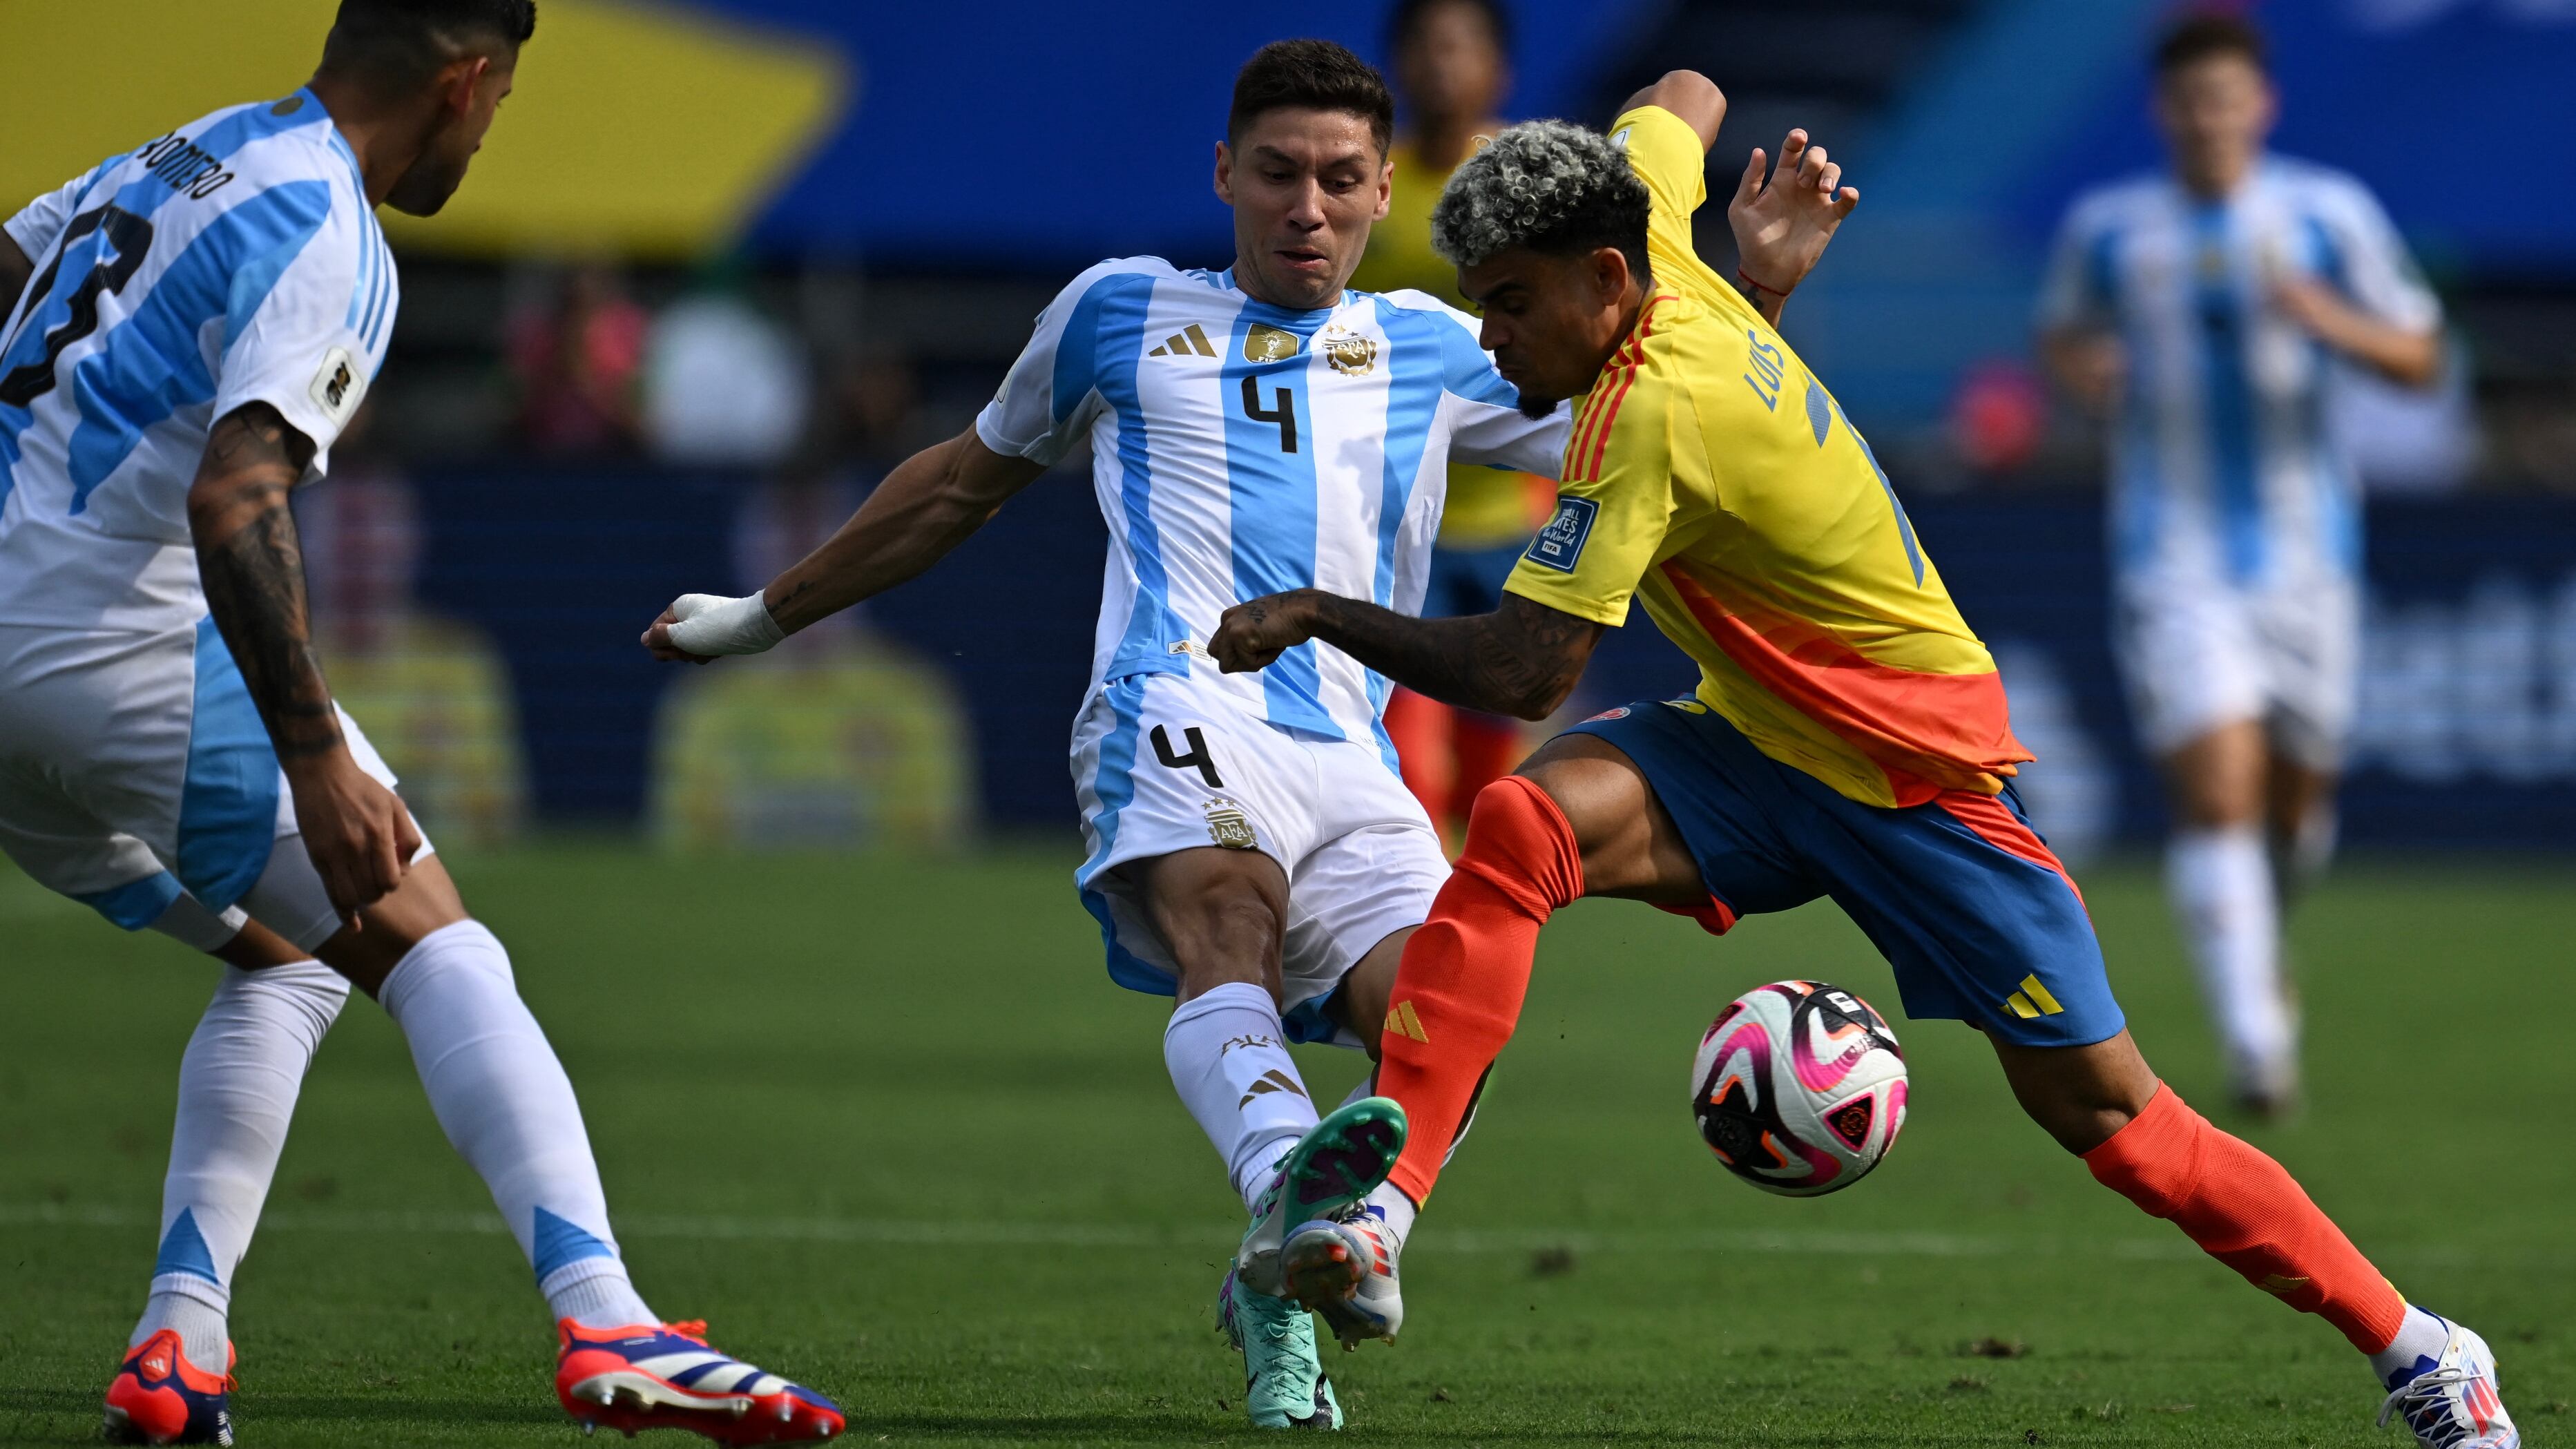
2200 36
1315 75
410 39
1405 21
1550 186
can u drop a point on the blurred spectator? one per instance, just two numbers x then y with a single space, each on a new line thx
434 693
724 385
1452 69
576 365
1999 417
864 427
837 737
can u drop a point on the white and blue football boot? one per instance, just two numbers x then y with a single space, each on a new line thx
2453 1402
1344 1267
1283 1378
1338 1162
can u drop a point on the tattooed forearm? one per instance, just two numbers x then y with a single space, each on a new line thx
1521 660
253 567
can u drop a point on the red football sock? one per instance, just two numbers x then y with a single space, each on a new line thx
1419 727
1458 990
2246 1211
1486 749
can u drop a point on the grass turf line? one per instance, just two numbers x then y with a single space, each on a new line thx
892 1130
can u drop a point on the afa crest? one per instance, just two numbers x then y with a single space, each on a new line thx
1229 827
1347 352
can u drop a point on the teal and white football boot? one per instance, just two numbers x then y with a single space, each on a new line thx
1283 1379
1337 1163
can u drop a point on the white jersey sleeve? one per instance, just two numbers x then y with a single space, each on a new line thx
2368 261
2076 291
36 228
306 348
1490 428
1048 401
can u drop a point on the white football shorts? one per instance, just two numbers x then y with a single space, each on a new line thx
1162 765
2199 654
136 778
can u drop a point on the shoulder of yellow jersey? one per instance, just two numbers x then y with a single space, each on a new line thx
1666 154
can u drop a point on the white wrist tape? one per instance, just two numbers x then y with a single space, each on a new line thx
711 624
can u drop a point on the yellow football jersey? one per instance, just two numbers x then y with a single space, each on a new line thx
1711 473
1487 507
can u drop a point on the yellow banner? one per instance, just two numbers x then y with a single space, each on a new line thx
640 129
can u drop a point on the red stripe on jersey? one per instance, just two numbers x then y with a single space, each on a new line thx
1593 408
1928 732
1599 444
1637 350
1996 825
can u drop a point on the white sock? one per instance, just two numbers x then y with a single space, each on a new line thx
1393 1208
1228 1055
2300 861
2416 1348
238 1082
2221 884
508 1109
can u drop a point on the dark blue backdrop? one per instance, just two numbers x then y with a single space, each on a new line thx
2468 735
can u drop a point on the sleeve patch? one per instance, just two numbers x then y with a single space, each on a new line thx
338 386
1559 546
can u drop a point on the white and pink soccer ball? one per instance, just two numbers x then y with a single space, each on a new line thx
1799 1088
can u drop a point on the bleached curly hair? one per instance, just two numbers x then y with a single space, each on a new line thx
1551 186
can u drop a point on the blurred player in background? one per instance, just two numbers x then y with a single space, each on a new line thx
2206 313
1849 738
1452 69
190 326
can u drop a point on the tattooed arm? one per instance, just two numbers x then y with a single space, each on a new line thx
928 505
1520 660
357 832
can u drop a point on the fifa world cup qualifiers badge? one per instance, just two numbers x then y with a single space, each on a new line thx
1230 827
337 386
1561 543
1265 343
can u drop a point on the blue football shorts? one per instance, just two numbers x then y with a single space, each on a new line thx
1979 919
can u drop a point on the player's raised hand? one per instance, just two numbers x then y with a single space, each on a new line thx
700 628
1782 226
1252 634
358 834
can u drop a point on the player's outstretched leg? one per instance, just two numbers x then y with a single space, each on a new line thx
238 1082
2244 1209
502 1097
1458 992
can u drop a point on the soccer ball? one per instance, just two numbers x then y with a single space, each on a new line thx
1799 1088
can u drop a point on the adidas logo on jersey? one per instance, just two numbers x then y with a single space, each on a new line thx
1187 342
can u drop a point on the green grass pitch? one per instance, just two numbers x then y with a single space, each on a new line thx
889 1126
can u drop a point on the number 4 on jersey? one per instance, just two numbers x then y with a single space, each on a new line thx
1198 755
1284 414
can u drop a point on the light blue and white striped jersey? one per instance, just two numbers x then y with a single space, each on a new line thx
234 260
1239 449
2223 465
